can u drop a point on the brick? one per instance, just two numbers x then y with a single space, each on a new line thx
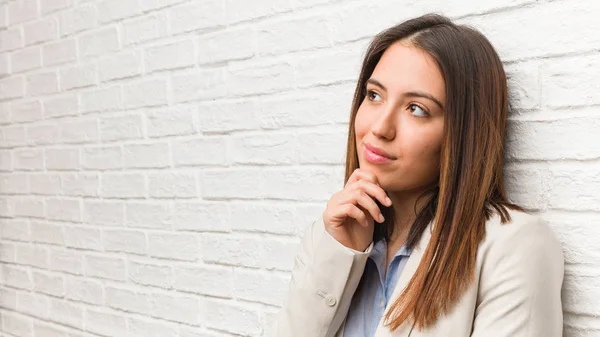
15 229
104 213
66 313
62 159
193 16
59 52
42 83
150 274
28 159
129 301
50 6
328 67
110 10
14 184
6 163
68 261
41 31
145 28
173 55
47 233
121 65
173 246
41 329
250 79
49 284
172 185
80 185
11 39
83 290
258 217
22 11
96 43
246 320
150 92
29 207
149 328
13 87
214 151
199 85
260 286
177 308
61 106
268 149
102 158
100 99
17 277
111 268
573 188
284 36
78 19
80 130
257 252
8 298
171 121
202 216
156 155
26 59
106 324
31 255
83 238
44 184
527 185
125 241
122 185
42 134
78 76
212 281
121 127
499 28
247 11
63 209
27 111
225 116
17 324
219 46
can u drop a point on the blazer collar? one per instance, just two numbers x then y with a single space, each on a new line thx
407 273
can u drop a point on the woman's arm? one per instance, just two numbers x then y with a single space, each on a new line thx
324 278
520 284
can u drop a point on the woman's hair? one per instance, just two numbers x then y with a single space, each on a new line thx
470 183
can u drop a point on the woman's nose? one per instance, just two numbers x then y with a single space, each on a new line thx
384 125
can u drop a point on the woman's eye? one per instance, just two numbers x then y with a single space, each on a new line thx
370 94
418 111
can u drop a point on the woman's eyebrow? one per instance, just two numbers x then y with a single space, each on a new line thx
410 93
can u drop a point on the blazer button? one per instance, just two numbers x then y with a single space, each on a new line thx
331 301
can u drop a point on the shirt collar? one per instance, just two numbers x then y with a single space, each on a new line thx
378 253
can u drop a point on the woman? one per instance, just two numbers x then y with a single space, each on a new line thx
422 240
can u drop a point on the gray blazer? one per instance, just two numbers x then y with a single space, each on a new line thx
516 292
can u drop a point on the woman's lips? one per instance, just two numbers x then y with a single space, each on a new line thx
374 157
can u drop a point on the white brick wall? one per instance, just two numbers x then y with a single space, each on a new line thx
159 158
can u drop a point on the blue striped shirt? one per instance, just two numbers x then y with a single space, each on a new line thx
369 301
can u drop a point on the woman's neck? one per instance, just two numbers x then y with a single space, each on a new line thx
403 203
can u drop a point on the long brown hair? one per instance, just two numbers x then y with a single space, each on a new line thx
470 186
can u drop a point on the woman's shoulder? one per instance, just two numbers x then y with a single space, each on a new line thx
523 239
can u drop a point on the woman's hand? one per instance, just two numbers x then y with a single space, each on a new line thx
351 212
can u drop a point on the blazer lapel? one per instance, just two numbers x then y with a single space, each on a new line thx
405 276
407 273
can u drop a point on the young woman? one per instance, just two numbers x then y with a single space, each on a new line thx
422 240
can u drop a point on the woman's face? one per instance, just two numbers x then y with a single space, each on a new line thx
403 116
